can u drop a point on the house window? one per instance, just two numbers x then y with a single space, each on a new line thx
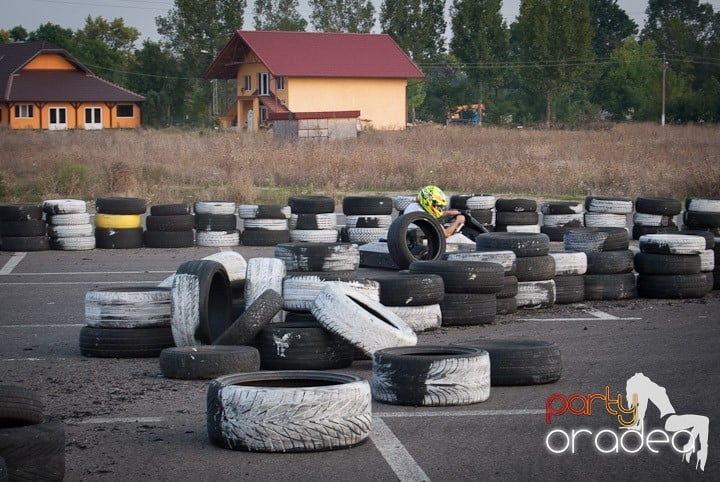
93 118
125 110
264 83
263 114
247 83
280 83
24 111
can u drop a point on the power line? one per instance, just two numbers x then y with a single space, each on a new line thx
165 6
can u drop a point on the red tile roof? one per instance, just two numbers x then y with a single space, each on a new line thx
316 54
79 85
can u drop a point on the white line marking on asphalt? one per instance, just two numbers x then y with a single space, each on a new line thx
12 263
80 273
118 420
80 282
596 315
30 359
461 413
395 454
41 326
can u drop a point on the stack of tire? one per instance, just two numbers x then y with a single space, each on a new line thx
118 224
534 267
655 216
702 214
69 226
517 215
22 228
570 268
264 224
607 212
301 342
609 274
415 298
126 322
560 216
169 226
470 289
506 298
32 445
367 218
311 207
481 206
216 224
670 266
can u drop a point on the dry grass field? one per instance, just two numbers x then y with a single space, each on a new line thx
627 160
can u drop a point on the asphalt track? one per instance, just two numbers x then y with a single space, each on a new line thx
125 421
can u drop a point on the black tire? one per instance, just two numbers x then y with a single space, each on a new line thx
303 346
270 211
463 309
569 289
562 207
34 452
175 222
506 306
318 256
20 212
29 228
410 289
120 205
288 411
534 268
515 205
169 239
401 252
523 244
659 206
19 406
215 222
609 286
124 342
201 302
170 209
610 262
556 233
22 244
125 238
311 204
264 237
638 230
596 239
367 205
483 216
208 362
672 244
524 218
677 286
312 221
521 361
667 264
697 219
431 376
247 326
510 287
466 277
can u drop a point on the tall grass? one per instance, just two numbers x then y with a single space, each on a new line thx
627 160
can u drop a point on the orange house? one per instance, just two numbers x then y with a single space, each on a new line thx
43 87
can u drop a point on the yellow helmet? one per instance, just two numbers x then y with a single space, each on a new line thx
433 200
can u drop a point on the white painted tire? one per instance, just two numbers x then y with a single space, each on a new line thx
366 235
214 207
319 256
363 322
605 220
570 263
286 411
642 219
233 262
577 219
264 274
299 292
522 228
481 202
70 230
217 238
535 294
671 244
313 235
703 205
382 220
64 206
609 206
322 220
419 318
505 258
266 224
402 202
81 243
128 307
435 376
707 260
70 218
247 211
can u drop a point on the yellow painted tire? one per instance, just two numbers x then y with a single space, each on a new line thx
117 221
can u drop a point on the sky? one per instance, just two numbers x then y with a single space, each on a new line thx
141 14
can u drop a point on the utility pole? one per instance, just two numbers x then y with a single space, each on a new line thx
664 66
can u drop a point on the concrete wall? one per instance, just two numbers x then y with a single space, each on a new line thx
317 129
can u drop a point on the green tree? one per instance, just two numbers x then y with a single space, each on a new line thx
342 15
611 26
50 32
555 46
106 46
278 15
18 34
4 37
417 26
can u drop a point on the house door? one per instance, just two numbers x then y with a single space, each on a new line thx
264 83
58 119
93 118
